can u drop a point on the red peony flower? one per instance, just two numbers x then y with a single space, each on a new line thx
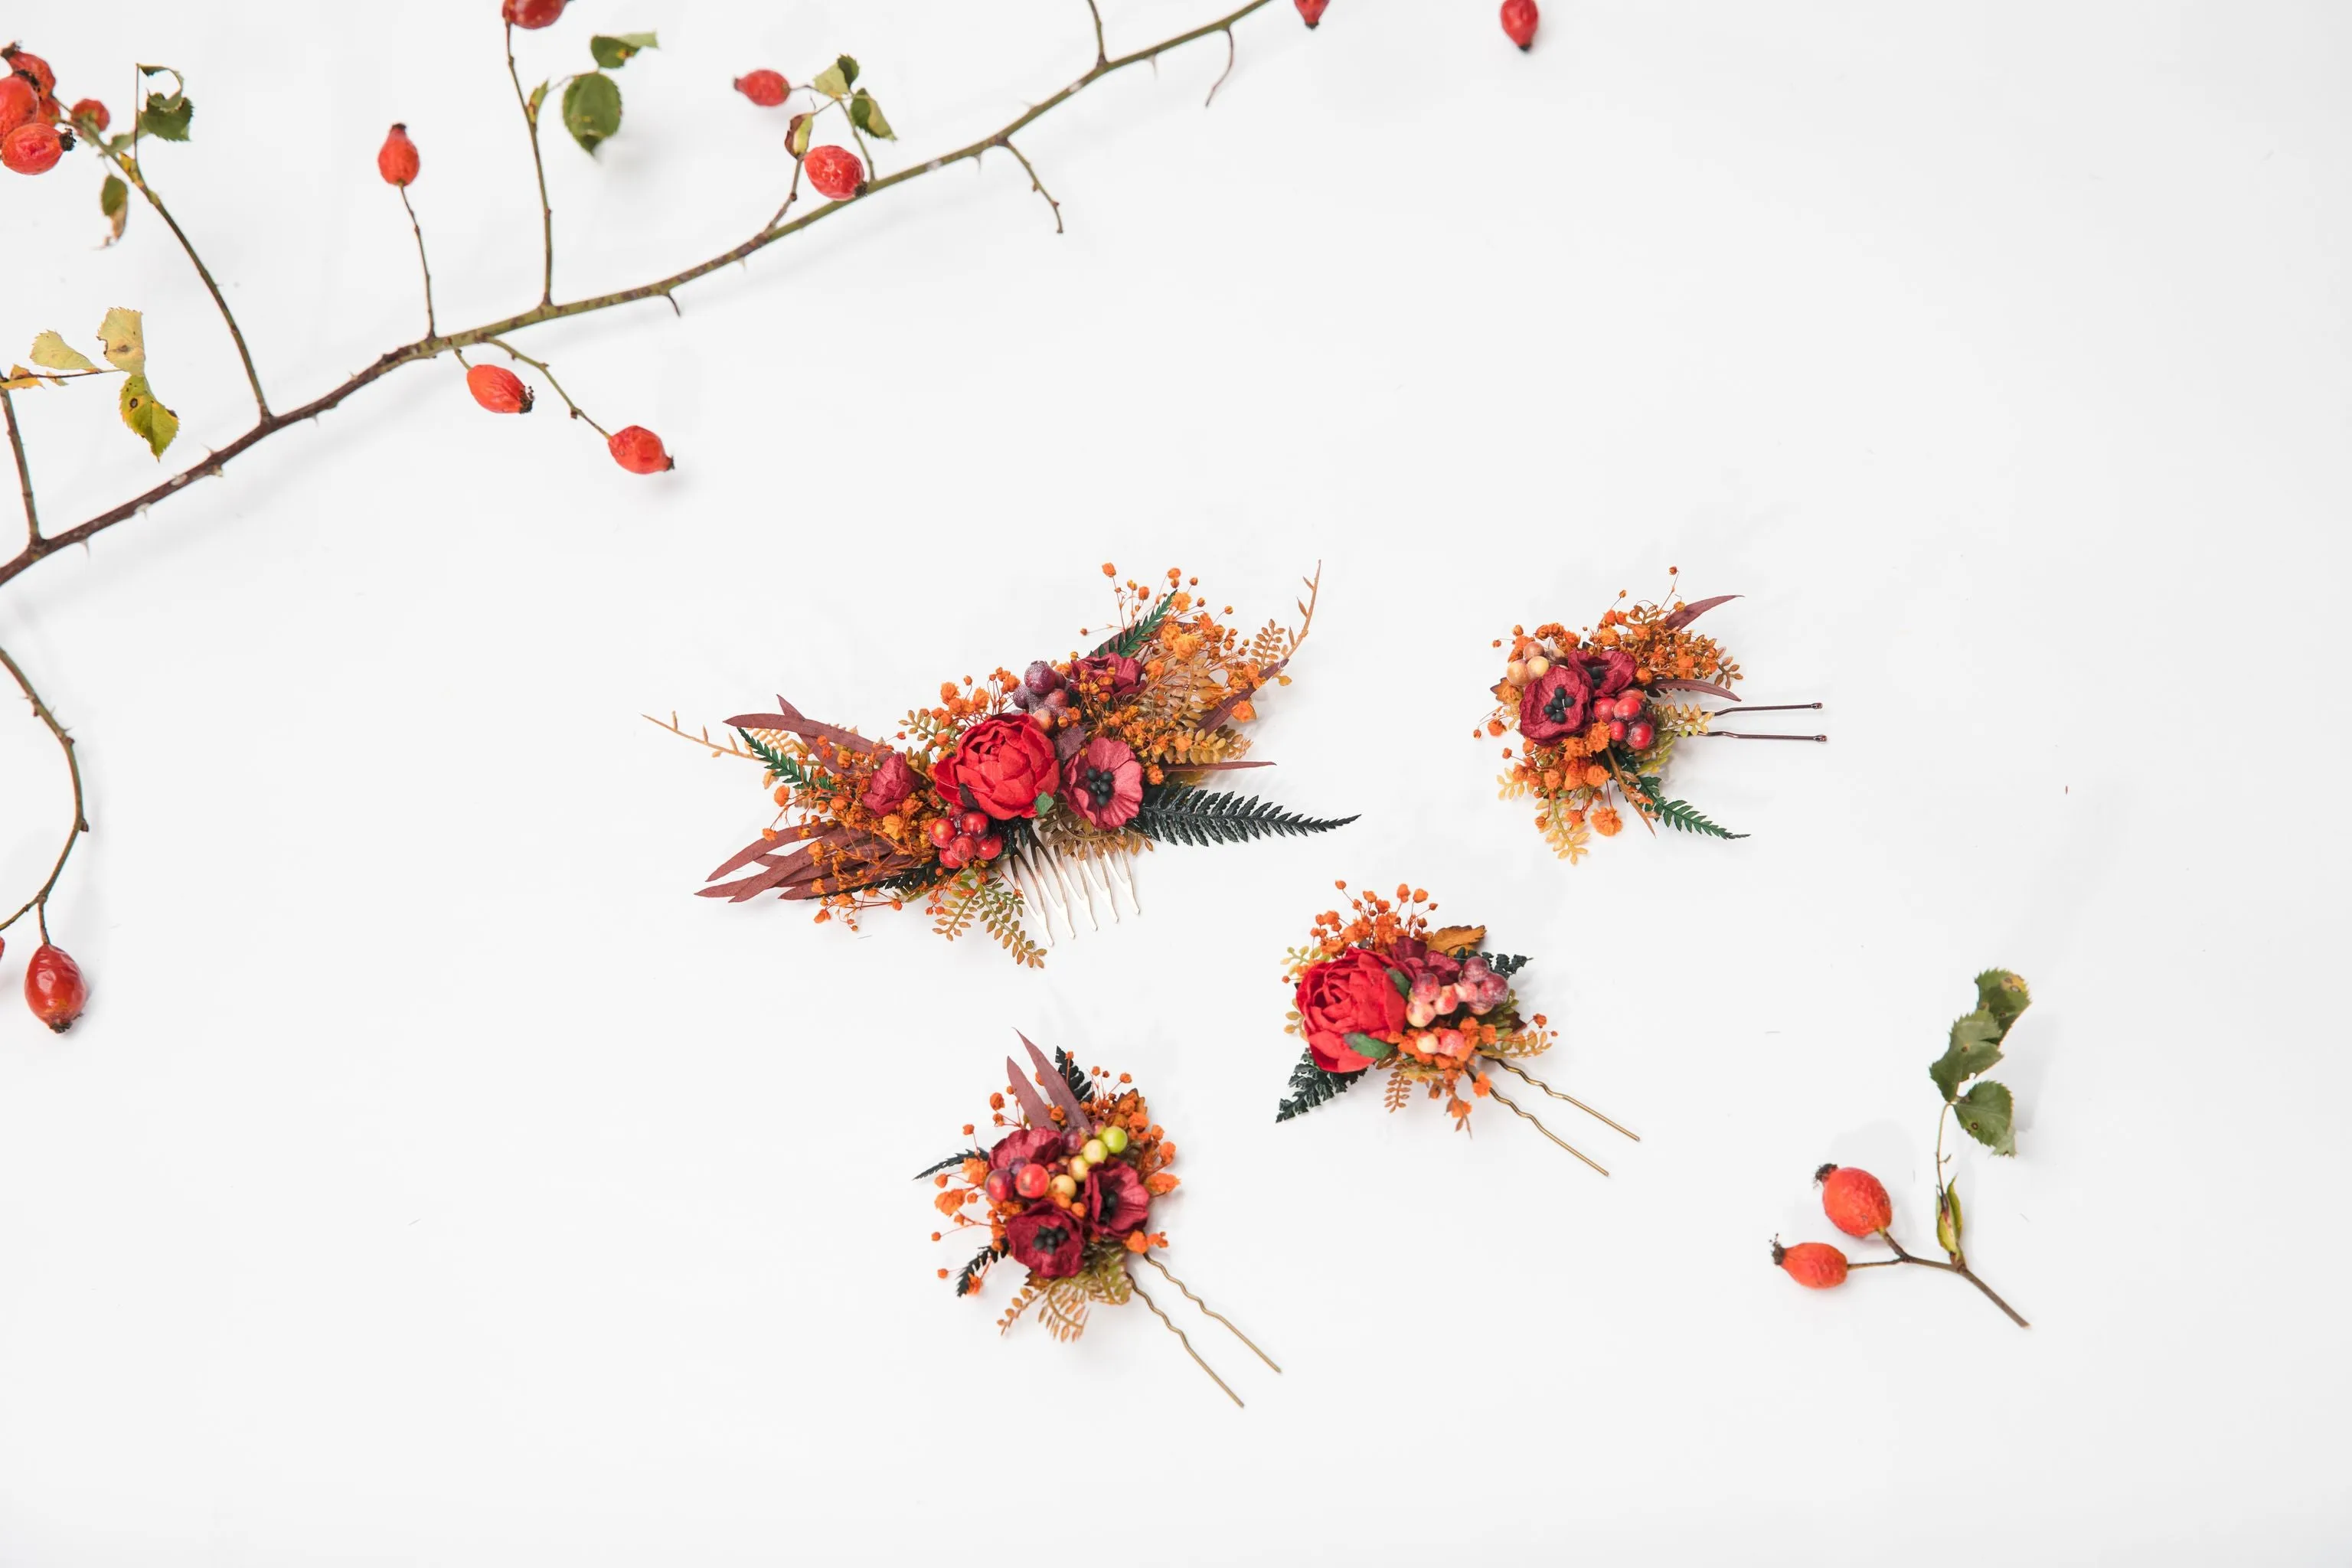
1104 784
1352 994
1611 671
891 784
1117 1199
1555 705
1050 1242
1003 765
1025 1143
1115 673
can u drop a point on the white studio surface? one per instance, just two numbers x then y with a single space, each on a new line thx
433 1180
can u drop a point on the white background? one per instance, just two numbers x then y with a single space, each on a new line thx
433 1180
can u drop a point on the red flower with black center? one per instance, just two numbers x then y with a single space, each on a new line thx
1556 704
1025 1143
1117 1199
1050 1242
1104 784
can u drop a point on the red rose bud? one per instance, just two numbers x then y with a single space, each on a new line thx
532 13
32 149
1815 1265
835 172
499 389
396 159
1312 10
764 87
53 988
1854 1201
887 789
1519 19
1349 994
639 450
1003 764
92 113
19 101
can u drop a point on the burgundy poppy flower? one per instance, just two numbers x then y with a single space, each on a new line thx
892 783
1117 1199
1050 1242
1555 705
1104 784
1025 1143
1610 670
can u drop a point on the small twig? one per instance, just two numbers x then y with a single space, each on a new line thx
1179 1333
38 904
24 470
1223 74
729 750
539 166
1208 1311
541 367
1102 56
130 167
1034 184
1961 1269
791 196
430 330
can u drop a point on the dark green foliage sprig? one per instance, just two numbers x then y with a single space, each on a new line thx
1081 1085
1986 1112
781 765
1649 792
951 1162
1126 642
1690 819
1311 1085
1506 963
967 1278
1180 814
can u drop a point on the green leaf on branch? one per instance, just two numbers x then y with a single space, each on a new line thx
147 418
2002 994
1975 1047
1986 1110
834 80
51 352
592 110
866 115
124 339
114 206
796 140
166 114
613 50
1948 1220
1369 1046
538 101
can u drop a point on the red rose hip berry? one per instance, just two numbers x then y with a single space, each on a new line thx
764 87
1520 19
1854 1200
19 101
32 67
499 389
53 988
639 450
90 111
32 149
1311 11
835 172
396 159
532 13
1815 1265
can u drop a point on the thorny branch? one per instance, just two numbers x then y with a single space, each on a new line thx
38 905
130 167
539 166
433 346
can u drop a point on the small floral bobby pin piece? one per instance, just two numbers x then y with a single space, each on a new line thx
1022 794
1596 728
1067 1191
1377 990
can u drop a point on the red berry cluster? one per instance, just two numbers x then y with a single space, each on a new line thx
1857 1204
53 988
1622 713
964 839
34 131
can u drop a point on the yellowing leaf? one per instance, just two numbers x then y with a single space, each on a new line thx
114 206
146 417
125 340
50 353
19 379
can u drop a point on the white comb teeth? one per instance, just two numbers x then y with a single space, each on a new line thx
1045 879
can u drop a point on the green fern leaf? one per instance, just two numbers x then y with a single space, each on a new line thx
1180 814
951 1162
1311 1085
969 1276
1126 643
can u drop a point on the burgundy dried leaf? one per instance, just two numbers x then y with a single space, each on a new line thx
1057 1087
1018 1081
761 846
1224 710
1217 767
1690 613
1675 683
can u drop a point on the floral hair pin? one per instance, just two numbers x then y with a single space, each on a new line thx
1068 1190
1596 728
1023 793
1379 990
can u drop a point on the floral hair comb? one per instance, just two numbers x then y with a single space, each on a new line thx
1379 990
1594 725
1067 1191
1028 793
